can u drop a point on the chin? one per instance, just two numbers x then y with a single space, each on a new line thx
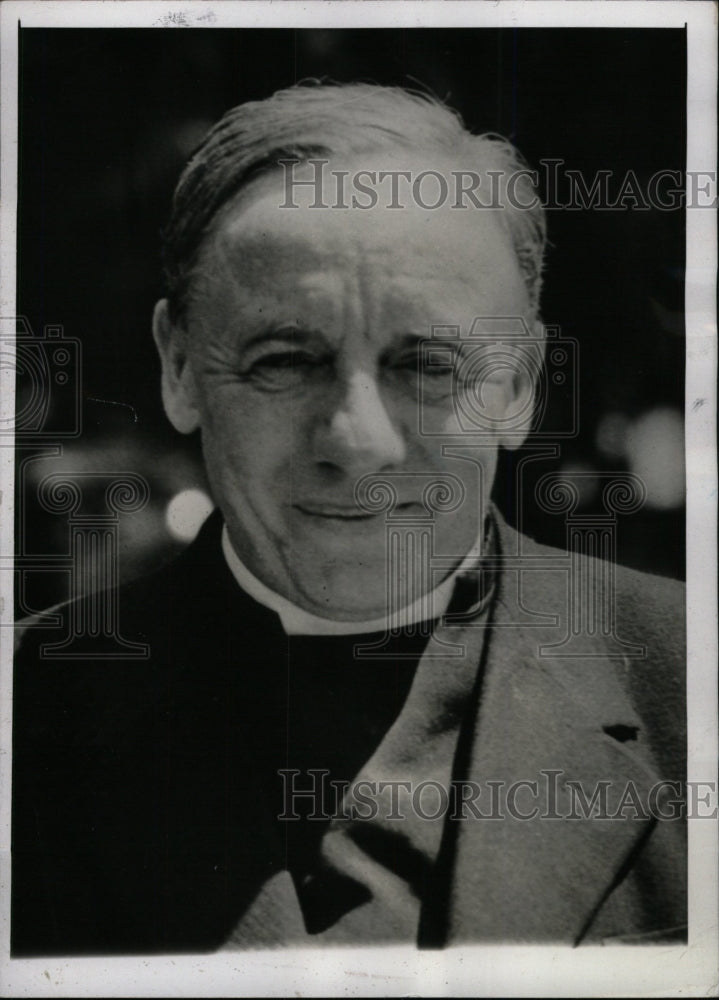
356 594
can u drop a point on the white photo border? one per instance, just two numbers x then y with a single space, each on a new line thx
480 971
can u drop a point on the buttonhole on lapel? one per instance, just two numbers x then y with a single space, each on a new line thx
621 733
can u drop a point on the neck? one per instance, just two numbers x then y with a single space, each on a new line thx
297 620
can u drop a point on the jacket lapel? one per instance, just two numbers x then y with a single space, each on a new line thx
552 721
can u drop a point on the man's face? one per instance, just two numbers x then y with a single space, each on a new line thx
301 362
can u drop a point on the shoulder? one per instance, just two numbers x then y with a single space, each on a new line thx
642 616
657 604
136 611
101 664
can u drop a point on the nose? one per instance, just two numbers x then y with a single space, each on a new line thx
360 436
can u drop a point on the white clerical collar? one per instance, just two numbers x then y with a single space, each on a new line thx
297 621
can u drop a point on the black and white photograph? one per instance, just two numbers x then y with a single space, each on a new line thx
359 575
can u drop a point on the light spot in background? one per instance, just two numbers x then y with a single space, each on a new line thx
186 513
655 451
612 435
583 478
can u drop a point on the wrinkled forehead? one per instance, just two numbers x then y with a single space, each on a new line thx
349 218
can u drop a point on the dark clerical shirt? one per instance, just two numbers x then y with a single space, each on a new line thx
361 775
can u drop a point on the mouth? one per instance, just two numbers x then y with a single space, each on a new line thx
342 514
335 513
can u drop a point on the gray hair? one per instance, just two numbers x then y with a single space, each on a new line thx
325 120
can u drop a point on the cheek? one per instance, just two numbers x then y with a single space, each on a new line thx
475 411
249 449
474 465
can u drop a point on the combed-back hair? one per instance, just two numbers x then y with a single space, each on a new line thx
318 119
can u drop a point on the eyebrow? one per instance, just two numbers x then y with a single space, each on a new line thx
414 338
406 341
289 333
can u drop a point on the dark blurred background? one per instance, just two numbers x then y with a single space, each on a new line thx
109 117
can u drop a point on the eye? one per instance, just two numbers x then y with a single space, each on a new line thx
435 368
285 359
413 370
283 369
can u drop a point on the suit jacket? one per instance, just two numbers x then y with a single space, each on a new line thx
141 820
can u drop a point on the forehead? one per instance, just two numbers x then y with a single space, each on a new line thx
409 252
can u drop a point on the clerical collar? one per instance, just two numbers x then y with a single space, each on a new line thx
297 621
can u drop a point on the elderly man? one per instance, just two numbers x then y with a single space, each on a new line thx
358 721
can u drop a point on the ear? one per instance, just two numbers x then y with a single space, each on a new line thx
179 394
521 391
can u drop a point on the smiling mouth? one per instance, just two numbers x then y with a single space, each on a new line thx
336 513
345 513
